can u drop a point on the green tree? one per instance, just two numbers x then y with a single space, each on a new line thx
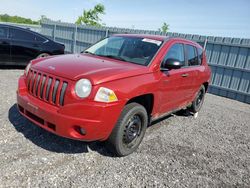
91 17
164 28
16 19
43 17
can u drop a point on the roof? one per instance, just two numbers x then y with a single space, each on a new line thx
154 37
26 29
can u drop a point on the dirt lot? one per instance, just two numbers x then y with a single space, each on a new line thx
210 151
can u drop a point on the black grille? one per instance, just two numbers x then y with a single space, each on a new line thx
46 87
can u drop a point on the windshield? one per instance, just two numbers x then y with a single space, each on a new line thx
129 49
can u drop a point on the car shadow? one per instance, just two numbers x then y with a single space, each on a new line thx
183 113
49 141
54 143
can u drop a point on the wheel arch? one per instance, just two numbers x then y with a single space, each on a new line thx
146 100
205 85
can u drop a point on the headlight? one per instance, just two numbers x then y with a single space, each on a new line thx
27 69
105 95
83 88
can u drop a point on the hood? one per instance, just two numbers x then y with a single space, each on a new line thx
97 69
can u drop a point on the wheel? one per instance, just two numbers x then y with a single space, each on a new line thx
198 101
129 130
43 55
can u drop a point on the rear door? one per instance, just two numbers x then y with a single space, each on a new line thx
192 70
4 46
24 46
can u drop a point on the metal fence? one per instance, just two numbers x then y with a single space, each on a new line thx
229 58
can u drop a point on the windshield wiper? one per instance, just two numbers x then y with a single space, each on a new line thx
88 52
112 56
109 56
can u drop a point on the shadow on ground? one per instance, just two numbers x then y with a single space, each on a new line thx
49 141
183 113
54 143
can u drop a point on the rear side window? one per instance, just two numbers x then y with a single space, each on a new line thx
176 52
192 57
200 55
3 32
18 34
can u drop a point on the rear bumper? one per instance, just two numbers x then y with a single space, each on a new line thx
97 119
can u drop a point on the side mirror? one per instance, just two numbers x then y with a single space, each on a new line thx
171 64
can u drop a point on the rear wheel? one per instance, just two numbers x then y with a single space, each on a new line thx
129 130
43 55
198 101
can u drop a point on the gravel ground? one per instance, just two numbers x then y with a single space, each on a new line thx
180 151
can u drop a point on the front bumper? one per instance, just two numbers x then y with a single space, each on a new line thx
97 119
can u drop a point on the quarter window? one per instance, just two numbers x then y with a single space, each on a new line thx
176 52
192 57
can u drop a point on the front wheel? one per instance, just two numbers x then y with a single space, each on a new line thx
198 101
129 130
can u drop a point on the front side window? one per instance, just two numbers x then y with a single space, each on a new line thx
176 52
192 57
130 49
3 32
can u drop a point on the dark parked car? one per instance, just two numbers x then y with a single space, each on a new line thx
18 46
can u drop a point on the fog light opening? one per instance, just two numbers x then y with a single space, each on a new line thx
80 130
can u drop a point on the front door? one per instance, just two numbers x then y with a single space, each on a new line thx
175 83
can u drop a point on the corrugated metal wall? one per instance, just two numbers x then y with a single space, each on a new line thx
229 58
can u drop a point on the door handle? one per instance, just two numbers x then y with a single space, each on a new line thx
185 75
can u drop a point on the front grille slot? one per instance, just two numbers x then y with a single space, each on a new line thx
46 87
62 93
55 91
42 86
28 79
37 83
33 81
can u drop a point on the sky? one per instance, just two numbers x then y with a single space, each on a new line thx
228 18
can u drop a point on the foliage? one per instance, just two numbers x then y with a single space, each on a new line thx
164 28
16 19
43 17
91 17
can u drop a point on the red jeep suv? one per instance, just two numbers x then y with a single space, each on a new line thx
114 89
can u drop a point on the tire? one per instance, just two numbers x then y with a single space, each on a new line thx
129 130
43 55
198 101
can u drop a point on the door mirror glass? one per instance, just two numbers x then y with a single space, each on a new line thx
172 64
